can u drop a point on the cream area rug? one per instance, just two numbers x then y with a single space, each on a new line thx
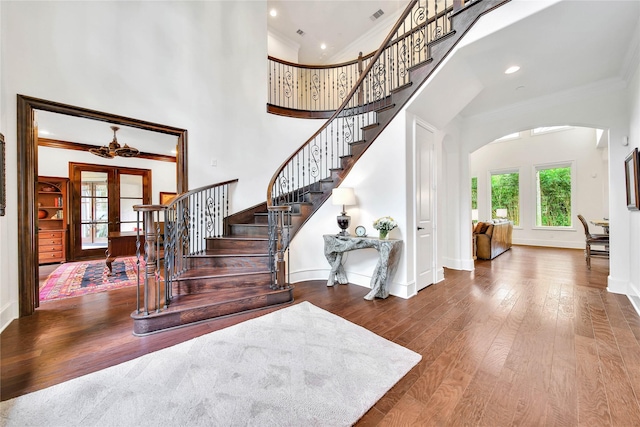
298 366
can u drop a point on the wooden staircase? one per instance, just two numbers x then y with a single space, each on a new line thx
233 273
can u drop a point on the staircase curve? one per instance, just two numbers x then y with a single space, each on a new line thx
199 263
419 41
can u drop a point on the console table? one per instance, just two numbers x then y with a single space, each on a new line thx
389 255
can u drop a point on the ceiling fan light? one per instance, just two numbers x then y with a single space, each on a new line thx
103 152
127 151
114 148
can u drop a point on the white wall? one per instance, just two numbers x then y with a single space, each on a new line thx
380 189
633 217
281 47
575 146
165 62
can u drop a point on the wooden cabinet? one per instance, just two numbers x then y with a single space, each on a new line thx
52 219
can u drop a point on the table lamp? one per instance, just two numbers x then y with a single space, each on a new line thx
501 213
343 196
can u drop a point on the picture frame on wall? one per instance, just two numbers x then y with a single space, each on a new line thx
3 182
166 198
632 179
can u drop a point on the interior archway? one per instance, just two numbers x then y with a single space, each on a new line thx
27 141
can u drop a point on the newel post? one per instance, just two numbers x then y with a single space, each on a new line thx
153 297
360 90
278 243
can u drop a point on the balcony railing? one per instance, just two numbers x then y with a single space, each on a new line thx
322 89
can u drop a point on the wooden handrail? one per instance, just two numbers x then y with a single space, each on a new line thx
320 66
198 190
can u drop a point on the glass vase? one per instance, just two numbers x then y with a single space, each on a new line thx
384 234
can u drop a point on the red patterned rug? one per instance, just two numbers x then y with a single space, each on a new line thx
80 278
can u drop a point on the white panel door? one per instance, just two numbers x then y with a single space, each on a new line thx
425 208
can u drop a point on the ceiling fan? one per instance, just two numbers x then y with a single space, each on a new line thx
114 148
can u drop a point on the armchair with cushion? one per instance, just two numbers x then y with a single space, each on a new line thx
493 238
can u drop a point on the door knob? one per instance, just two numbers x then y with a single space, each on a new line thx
420 228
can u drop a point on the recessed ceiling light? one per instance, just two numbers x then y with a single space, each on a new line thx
512 69
323 46
273 12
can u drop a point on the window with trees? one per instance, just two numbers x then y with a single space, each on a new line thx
505 194
474 193
553 196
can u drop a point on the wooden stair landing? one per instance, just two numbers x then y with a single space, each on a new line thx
190 309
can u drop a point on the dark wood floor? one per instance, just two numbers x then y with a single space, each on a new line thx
531 338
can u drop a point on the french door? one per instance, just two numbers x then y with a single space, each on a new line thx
102 200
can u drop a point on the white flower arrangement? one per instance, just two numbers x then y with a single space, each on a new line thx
386 223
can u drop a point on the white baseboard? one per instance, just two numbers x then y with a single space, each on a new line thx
564 244
617 286
8 313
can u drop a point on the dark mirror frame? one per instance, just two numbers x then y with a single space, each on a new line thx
632 179
27 141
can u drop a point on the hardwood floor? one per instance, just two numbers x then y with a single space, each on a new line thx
531 338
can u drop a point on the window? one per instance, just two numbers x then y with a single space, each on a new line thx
547 129
505 194
553 196
474 193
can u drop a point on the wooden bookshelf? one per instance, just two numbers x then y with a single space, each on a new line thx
52 219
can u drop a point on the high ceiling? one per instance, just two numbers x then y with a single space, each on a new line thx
337 23
566 46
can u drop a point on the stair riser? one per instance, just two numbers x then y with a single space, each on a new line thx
249 230
247 263
257 246
261 219
148 325
211 284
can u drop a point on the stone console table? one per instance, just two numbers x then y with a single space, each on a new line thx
389 251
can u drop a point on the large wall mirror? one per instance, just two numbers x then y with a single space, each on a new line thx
68 127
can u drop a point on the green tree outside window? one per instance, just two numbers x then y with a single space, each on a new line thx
505 194
474 193
553 197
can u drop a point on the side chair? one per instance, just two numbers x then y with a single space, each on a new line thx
594 239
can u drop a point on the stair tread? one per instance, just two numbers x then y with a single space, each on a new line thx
212 272
239 252
250 224
224 296
371 126
242 237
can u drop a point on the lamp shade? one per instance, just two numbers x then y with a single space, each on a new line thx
501 213
343 196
